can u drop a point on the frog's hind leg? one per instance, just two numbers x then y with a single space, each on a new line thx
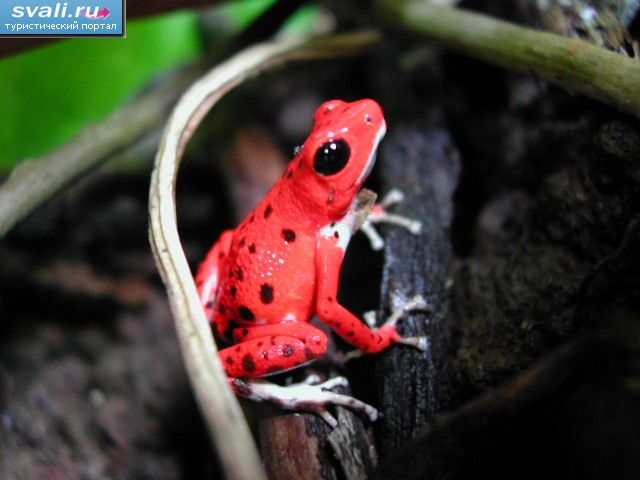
267 349
208 274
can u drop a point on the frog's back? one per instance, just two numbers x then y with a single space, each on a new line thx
269 273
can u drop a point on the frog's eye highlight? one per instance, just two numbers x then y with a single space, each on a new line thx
331 157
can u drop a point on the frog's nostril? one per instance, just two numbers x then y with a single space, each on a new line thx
367 118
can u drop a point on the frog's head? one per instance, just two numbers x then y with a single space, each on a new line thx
340 152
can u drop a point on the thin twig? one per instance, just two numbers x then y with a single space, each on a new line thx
573 64
228 429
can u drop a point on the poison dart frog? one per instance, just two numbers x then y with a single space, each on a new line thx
261 284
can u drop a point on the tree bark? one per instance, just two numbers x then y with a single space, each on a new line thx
413 385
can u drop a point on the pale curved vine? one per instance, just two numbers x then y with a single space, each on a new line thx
225 421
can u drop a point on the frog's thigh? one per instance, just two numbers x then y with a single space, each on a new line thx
207 278
268 349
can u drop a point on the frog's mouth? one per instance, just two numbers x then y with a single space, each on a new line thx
372 158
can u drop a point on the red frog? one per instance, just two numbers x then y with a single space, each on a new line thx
261 283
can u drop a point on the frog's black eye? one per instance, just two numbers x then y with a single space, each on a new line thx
331 157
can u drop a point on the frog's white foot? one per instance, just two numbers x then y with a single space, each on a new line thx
307 395
380 215
416 303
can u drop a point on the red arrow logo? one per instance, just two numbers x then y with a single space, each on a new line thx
104 13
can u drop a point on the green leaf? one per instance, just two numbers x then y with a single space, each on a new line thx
48 94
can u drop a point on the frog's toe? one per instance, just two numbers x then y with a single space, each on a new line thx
421 343
312 379
376 241
382 216
327 417
333 383
414 226
370 318
393 196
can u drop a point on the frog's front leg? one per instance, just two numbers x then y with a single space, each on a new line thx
332 243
